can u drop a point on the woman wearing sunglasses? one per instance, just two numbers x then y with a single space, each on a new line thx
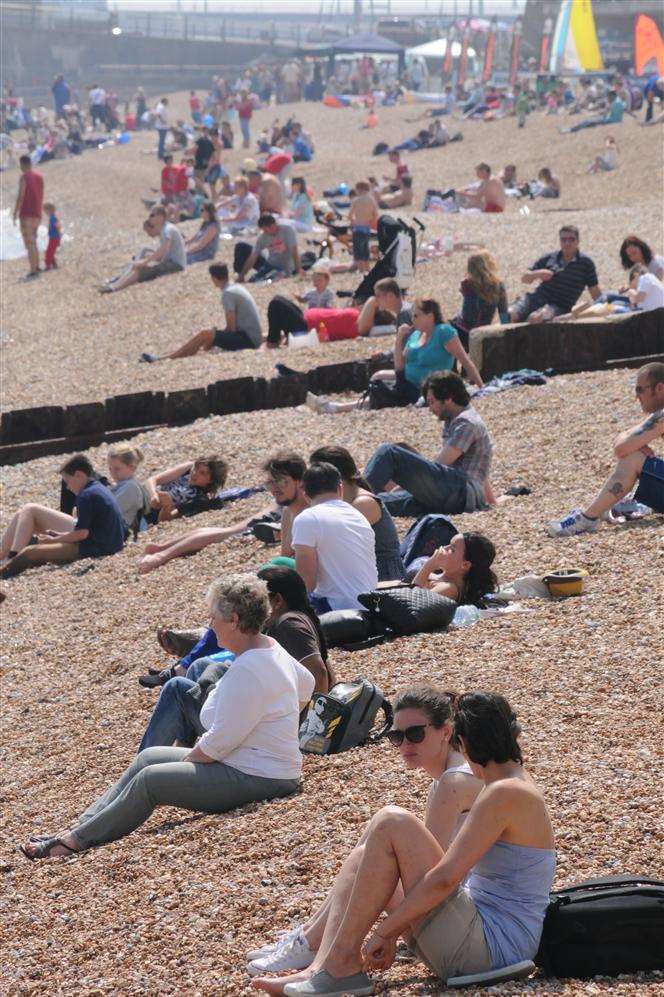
423 734
461 570
476 907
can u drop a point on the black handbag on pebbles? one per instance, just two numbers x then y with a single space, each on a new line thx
604 927
409 610
344 718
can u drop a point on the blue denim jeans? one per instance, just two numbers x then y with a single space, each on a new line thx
176 715
424 485
162 132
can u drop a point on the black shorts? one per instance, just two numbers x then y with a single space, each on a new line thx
528 303
360 246
225 339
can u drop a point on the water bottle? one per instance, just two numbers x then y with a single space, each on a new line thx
448 245
466 616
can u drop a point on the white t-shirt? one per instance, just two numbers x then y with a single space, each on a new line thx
177 252
97 95
346 548
161 115
252 715
656 265
654 292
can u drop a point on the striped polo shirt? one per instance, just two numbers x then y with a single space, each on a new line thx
569 280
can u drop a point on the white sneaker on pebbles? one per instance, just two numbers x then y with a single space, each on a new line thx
571 525
292 954
282 938
318 404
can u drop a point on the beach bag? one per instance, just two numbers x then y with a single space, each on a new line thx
352 629
380 148
426 535
341 323
344 718
604 927
409 610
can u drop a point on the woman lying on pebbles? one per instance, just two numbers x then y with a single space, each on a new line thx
423 733
476 906
461 570
249 751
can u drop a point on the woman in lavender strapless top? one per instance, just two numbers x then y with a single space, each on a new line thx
477 906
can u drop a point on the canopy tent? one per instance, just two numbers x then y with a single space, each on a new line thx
437 49
368 44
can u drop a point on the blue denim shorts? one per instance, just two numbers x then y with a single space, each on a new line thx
651 484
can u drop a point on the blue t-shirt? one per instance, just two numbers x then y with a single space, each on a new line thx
615 113
424 360
53 227
99 514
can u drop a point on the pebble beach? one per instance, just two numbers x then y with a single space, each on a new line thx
172 909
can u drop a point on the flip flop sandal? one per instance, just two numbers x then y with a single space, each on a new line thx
45 846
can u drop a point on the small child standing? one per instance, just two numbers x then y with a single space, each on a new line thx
521 105
363 217
54 236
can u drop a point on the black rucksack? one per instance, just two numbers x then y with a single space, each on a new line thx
344 718
604 927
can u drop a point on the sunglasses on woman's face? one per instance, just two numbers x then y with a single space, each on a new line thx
414 734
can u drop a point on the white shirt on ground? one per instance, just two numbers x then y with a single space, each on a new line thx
653 289
345 545
252 715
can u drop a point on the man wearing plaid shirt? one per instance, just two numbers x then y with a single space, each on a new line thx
458 479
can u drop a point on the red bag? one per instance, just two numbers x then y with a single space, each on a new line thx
341 323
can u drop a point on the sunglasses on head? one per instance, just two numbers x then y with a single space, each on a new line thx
414 734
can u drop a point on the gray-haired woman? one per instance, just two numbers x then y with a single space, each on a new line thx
242 757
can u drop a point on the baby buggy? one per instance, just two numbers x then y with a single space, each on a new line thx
397 248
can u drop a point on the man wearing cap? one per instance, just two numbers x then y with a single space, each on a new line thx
279 240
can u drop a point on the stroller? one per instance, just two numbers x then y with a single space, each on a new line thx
397 246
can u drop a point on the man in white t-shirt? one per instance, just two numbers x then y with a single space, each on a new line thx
97 97
161 123
335 547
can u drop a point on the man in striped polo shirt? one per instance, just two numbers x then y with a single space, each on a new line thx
562 277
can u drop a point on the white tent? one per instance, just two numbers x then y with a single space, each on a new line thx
437 49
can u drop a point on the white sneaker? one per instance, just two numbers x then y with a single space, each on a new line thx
292 954
282 938
318 404
571 525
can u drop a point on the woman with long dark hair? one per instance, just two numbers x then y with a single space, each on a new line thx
461 570
423 734
474 907
358 493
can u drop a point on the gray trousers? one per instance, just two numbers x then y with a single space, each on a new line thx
159 777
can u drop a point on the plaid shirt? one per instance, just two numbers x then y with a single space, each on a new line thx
468 433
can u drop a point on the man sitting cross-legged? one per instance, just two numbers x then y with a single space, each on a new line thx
458 479
243 322
98 530
636 461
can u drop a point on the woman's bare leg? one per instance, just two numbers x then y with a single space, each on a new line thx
398 847
31 519
203 340
167 510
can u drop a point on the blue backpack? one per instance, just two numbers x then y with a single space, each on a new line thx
425 535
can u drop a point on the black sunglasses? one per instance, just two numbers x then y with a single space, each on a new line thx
414 734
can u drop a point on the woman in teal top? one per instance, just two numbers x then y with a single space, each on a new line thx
429 345
302 209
